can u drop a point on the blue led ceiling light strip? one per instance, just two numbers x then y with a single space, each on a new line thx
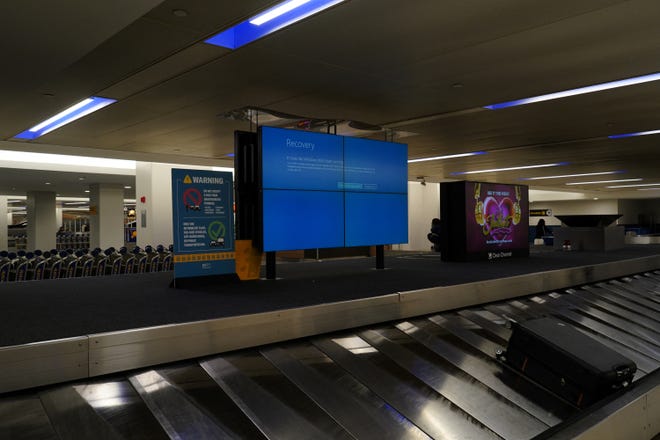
76 111
579 91
269 21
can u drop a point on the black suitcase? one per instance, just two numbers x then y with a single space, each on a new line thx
566 361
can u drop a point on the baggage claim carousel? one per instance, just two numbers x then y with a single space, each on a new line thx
422 376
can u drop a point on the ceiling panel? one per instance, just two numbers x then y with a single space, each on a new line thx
423 67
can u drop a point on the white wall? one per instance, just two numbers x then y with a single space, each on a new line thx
153 181
573 207
423 206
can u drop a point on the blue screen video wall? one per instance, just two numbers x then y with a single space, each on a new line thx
321 190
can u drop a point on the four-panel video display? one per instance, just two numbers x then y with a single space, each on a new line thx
321 190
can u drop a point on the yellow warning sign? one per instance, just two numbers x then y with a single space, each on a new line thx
187 179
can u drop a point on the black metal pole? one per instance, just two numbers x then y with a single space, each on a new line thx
271 272
380 256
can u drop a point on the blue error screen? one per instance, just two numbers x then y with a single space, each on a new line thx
322 191
376 219
375 166
303 219
301 160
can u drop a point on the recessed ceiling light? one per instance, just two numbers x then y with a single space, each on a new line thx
525 167
47 183
81 178
639 133
600 173
269 21
596 182
86 191
448 156
76 111
579 91
127 186
633 186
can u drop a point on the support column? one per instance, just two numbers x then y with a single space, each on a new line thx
153 203
58 216
41 223
3 223
106 215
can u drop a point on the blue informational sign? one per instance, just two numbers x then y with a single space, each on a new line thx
203 221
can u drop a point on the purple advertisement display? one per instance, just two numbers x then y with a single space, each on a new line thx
497 217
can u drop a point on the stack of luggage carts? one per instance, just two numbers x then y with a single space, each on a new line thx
39 265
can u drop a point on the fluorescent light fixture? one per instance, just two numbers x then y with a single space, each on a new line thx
526 167
77 111
449 156
600 173
72 199
271 20
579 91
596 182
639 133
275 12
649 189
633 186
63 159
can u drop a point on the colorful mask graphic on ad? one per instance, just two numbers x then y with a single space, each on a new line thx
494 217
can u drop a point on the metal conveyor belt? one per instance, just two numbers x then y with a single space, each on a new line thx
430 377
